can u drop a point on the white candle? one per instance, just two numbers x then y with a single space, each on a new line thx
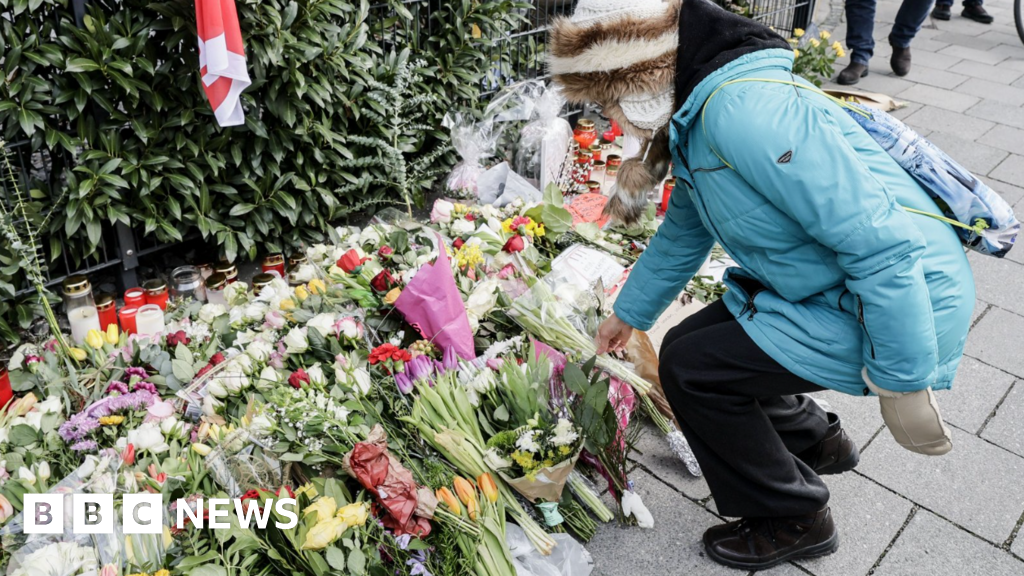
83 319
216 297
149 320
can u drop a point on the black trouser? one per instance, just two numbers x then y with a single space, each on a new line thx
739 410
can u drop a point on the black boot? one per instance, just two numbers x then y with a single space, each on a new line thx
941 12
900 60
852 74
835 454
977 13
760 543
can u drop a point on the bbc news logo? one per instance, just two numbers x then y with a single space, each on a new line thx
144 513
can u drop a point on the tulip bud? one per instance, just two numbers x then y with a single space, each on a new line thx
128 455
23 405
392 296
488 487
465 489
317 286
204 431
43 471
301 293
79 354
201 449
445 495
111 335
94 339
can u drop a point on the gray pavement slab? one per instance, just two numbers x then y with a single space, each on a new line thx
976 157
936 77
949 122
673 546
979 309
945 99
654 454
867 516
975 54
993 91
1012 194
860 416
996 340
977 485
1000 112
930 545
999 281
976 392
1010 170
981 71
1005 138
1006 429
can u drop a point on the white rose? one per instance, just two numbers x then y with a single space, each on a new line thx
236 293
234 380
316 375
495 461
261 425
349 327
245 337
484 298
408 275
259 350
295 342
462 227
268 379
369 236
317 253
442 211
216 388
211 405
304 273
148 437
255 311
236 316
244 363
362 380
34 419
424 258
210 312
324 323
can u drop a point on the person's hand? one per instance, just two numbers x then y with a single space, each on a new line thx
612 335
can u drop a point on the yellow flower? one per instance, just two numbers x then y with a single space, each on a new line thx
201 449
307 489
168 538
301 293
507 225
840 53
354 514
488 487
111 420
799 32
325 532
796 53
392 295
825 35
287 304
94 339
445 495
539 231
79 354
317 286
162 572
324 507
838 49
140 574
111 335
815 42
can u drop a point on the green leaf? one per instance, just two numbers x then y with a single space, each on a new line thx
182 370
356 562
181 352
336 558
81 65
556 219
23 435
553 195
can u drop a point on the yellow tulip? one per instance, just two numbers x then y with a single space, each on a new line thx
392 296
162 572
317 286
287 304
23 405
798 32
445 495
111 335
354 514
301 293
324 507
79 354
467 493
323 534
824 35
168 538
94 339
488 487
201 449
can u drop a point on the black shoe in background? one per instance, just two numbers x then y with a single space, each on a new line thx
942 12
977 13
900 60
760 543
852 74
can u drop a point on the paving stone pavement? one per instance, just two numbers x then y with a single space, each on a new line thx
900 513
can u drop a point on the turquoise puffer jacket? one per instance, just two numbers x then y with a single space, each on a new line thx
834 275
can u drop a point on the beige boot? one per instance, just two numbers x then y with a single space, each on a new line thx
914 420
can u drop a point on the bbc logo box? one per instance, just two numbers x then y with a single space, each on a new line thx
92 513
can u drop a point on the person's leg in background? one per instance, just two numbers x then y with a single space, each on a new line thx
975 11
908 21
741 413
860 28
943 9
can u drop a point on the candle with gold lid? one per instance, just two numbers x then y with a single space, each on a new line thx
229 271
585 133
156 292
274 264
215 288
260 281
80 307
107 310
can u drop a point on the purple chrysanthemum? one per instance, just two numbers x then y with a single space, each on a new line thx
137 371
78 427
145 386
117 386
85 446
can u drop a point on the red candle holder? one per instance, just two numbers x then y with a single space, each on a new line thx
616 128
106 308
134 297
274 264
6 393
127 316
156 292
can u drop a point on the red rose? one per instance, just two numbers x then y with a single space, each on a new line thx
514 244
383 282
470 217
385 252
298 378
458 243
202 371
217 358
350 261
178 337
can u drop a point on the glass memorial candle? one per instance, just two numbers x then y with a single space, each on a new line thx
229 271
134 297
273 264
127 317
187 282
585 133
156 292
205 270
80 307
259 281
107 309
215 289
149 320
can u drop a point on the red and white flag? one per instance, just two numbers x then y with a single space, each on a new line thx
222 59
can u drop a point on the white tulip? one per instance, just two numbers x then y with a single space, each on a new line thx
26 476
362 380
43 471
211 405
295 342
148 437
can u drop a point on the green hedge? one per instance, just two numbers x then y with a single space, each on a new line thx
121 96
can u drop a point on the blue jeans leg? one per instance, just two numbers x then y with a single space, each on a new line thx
860 26
908 21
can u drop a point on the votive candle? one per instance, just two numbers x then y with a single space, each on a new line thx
134 297
127 316
83 319
106 307
149 320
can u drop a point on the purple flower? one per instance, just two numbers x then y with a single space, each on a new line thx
495 363
451 360
145 386
117 386
85 446
78 427
420 368
404 384
403 541
135 371
51 346
32 359
418 563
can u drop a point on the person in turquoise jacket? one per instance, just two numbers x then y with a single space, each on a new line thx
837 283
